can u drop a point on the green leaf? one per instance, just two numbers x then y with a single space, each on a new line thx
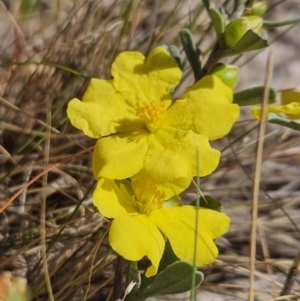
210 203
174 51
290 21
250 41
193 54
276 119
168 258
176 278
253 96
218 23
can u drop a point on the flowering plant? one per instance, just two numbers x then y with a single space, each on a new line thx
160 143
151 144
290 100
150 218
135 117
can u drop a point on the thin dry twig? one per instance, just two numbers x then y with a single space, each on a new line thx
257 174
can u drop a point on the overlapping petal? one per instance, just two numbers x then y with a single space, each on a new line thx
291 109
170 188
102 111
136 236
176 153
111 200
120 156
145 79
178 224
206 109
290 100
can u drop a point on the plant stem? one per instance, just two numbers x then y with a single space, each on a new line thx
291 277
118 281
213 58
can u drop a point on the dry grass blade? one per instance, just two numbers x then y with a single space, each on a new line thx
257 173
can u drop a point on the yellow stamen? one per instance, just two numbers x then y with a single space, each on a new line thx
151 112
149 199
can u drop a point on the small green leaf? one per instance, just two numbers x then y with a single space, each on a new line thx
193 54
210 203
249 42
290 21
174 51
276 119
218 23
176 278
253 96
168 258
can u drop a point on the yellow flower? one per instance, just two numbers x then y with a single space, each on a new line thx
290 100
143 218
139 126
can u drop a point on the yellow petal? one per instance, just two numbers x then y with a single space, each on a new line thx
119 156
112 201
176 154
291 109
291 96
206 159
137 78
206 108
169 188
178 224
135 236
102 111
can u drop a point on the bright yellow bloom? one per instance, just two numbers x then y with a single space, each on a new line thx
290 100
143 219
139 126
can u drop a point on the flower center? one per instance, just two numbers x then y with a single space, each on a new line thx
149 199
151 112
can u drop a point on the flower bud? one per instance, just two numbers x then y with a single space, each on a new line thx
258 9
255 23
228 74
235 30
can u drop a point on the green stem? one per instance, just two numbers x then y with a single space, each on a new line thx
215 56
193 282
276 119
270 24
133 275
